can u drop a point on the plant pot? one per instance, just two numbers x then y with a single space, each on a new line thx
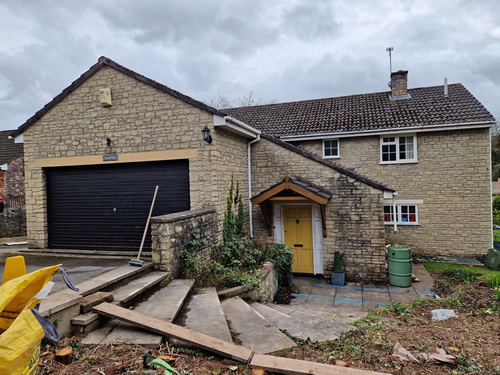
338 279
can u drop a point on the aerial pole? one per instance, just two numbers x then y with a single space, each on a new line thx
390 49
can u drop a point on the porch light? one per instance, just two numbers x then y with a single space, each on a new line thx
206 135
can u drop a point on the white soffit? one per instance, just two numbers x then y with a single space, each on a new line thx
235 126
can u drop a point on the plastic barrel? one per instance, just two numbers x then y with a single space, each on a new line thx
492 259
399 264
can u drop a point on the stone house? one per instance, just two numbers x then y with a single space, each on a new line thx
95 153
430 144
11 170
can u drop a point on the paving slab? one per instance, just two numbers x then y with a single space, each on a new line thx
203 313
341 315
251 330
323 291
111 277
302 325
165 304
128 292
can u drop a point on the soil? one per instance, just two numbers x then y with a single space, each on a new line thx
471 338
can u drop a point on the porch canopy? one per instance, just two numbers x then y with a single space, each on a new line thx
292 189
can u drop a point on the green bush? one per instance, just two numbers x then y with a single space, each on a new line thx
237 260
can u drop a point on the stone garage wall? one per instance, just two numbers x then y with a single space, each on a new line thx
354 215
172 233
142 120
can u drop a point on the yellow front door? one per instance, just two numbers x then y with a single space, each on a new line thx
298 235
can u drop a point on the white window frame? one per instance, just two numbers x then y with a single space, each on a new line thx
338 148
399 214
397 139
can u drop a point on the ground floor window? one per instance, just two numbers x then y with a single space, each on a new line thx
405 214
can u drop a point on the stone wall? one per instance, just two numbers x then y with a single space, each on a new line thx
142 119
451 177
172 233
14 178
354 215
12 223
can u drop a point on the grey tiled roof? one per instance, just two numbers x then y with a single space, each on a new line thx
427 106
8 149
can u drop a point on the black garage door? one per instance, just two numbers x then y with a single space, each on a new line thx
105 207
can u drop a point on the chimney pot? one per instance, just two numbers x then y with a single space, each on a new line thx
399 83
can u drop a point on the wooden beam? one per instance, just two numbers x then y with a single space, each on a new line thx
290 366
289 199
268 194
306 193
323 218
200 340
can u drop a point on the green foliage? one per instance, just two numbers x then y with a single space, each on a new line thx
237 260
282 257
481 272
228 225
338 264
465 275
399 309
233 227
496 210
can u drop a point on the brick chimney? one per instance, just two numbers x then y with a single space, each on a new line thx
399 83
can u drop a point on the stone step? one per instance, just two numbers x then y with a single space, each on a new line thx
340 315
203 313
251 330
122 296
301 325
165 304
64 305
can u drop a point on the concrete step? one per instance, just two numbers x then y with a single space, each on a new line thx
251 330
302 326
64 305
340 315
203 313
125 295
165 304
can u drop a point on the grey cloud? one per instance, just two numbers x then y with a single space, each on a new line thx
311 21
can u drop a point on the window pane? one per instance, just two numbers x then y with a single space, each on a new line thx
406 148
331 148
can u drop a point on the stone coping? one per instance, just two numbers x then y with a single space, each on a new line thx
182 215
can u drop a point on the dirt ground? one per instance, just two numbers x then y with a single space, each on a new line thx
472 339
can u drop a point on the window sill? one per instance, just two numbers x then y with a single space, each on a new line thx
331 157
403 224
399 162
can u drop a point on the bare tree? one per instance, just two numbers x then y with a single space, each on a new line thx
248 100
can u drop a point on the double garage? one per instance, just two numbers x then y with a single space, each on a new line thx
106 206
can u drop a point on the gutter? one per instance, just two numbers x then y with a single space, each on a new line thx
413 129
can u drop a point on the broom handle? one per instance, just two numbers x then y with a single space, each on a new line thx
147 223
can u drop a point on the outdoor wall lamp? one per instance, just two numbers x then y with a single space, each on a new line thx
206 135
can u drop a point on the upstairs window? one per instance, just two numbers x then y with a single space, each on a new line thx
405 214
331 148
398 149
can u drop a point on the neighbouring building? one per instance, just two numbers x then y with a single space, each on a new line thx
320 176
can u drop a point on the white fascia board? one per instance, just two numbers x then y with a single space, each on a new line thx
19 138
4 167
365 133
235 126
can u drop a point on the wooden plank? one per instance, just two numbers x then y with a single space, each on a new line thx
290 366
161 327
289 199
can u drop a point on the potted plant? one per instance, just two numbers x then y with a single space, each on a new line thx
338 272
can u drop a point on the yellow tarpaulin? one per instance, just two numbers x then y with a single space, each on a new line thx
21 332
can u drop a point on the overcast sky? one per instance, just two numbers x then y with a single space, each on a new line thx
281 50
